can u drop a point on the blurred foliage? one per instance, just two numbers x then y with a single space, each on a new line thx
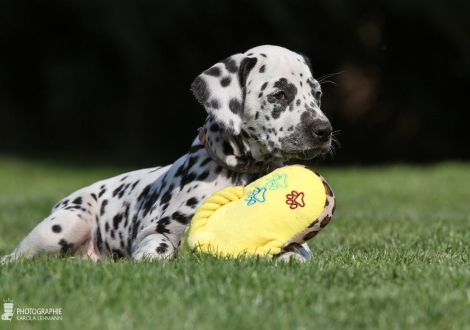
109 81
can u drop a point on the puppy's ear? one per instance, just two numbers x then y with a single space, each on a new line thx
221 89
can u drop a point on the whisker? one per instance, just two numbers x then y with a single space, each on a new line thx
321 79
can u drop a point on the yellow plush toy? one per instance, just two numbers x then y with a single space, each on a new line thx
270 216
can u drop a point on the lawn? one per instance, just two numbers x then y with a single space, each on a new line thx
395 256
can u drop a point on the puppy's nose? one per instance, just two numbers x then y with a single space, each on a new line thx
322 130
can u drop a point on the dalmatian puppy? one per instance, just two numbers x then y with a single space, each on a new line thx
264 108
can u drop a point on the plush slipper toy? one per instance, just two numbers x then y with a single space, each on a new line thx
270 216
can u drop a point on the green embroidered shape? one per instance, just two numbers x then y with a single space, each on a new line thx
277 181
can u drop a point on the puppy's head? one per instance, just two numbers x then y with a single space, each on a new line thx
269 96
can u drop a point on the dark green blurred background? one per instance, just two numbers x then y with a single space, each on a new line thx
107 81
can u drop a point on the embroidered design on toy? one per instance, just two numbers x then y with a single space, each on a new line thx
277 181
257 195
295 199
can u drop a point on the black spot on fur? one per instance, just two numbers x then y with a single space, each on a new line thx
262 69
235 106
162 248
203 176
117 254
133 185
65 246
205 161
181 217
264 55
179 171
102 191
161 225
166 198
257 115
99 238
117 220
117 190
190 177
263 87
56 229
215 104
214 71
297 103
192 202
230 65
214 127
78 201
227 148
225 81
106 226
260 94
200 90
276 113
103 207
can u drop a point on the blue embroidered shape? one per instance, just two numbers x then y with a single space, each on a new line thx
277 181
257 195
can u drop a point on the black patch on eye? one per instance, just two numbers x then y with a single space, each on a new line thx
264 86
200 90
225 81
215 104
56 229
214 71
262 69
230 65
289 89
235 106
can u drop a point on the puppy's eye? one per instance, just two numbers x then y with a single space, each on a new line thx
318 94
279 95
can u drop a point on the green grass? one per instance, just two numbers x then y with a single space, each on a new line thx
394 257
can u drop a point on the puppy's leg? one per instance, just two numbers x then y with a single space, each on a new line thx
153 246
63 231
302 254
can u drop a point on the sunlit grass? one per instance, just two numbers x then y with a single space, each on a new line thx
394 257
